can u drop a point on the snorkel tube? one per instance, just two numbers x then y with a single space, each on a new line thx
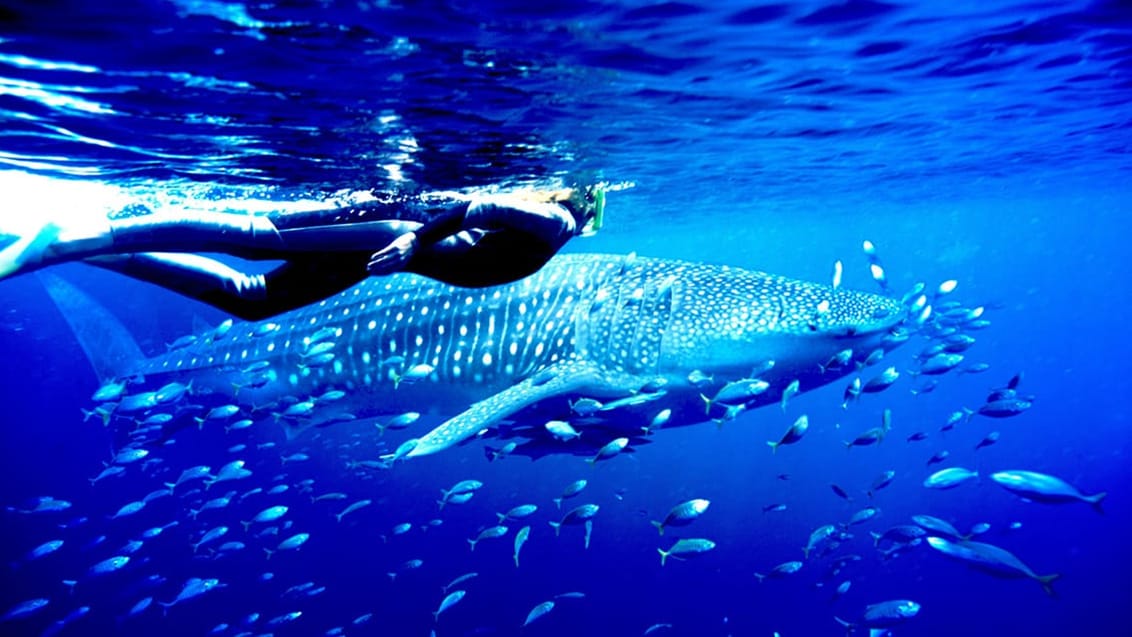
596 218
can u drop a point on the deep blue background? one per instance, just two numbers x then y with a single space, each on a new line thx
984 143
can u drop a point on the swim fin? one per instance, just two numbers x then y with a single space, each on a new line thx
28 251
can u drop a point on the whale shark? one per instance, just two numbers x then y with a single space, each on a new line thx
606 343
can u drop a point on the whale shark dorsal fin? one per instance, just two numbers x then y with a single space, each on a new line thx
559 379
200 325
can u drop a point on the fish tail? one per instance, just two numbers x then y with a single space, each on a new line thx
339 516
558 503
663 556
440 504
247 525
876 538
659 526
557 526
491 454
707 404
392 577
109 347
1095 500
761 577
501 516
193 513
473 545
848 626
268 552
170 486
773 446
1047 583
848 444
806 553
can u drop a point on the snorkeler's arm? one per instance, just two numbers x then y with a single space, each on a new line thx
545 220
443 224
547 224
548 221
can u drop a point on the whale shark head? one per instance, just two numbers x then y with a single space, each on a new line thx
671 318
728 320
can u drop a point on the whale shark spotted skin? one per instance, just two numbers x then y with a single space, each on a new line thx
499 361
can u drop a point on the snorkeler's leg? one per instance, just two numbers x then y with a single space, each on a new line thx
248 296
194 276
239 235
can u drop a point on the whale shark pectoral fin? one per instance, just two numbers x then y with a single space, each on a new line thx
557 380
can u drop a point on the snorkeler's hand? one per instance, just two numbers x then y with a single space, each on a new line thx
393 257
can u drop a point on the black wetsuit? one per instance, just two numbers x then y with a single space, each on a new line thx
469 243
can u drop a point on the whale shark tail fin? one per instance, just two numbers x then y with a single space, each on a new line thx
108 345
1096 500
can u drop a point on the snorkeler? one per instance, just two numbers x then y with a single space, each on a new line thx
469 241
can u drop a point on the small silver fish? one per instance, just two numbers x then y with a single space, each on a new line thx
792 435
448 602
685 548
950 478
683 514
520 540
791 390
609 450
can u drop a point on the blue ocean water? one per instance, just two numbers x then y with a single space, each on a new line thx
983 142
